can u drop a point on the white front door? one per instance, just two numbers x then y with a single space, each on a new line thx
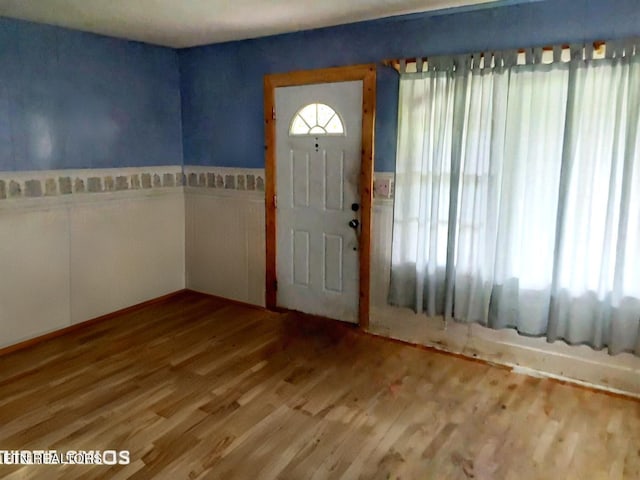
318 141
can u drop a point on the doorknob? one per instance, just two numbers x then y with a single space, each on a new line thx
354 223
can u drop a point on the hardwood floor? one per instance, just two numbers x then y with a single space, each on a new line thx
196 387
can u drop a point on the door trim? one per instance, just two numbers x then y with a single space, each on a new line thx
366 73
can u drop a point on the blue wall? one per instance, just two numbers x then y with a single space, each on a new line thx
222 84
77 100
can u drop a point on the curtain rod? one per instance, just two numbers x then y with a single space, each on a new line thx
395 63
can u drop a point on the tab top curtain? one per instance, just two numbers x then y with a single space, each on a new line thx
517 199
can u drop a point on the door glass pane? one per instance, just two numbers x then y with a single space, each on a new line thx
316 119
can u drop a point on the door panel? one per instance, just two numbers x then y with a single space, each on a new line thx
300 252
333 263
334 180
317 180
300 178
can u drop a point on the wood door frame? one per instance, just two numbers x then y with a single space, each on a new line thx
366 73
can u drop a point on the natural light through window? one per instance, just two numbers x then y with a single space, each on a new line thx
316 119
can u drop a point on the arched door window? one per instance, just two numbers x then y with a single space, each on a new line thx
316 119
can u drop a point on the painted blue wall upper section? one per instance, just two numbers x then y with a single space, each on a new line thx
222 97
76 100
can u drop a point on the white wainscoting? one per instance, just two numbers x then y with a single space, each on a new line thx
67 258
533 356
124 252
226 235
34 282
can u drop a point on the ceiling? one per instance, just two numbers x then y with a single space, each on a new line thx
186 23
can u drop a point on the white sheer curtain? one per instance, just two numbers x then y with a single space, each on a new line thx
517 195
597 280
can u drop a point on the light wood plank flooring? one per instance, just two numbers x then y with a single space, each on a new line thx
196 387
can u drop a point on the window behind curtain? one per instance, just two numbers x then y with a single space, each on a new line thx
517 191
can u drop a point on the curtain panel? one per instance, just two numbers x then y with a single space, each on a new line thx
517 199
